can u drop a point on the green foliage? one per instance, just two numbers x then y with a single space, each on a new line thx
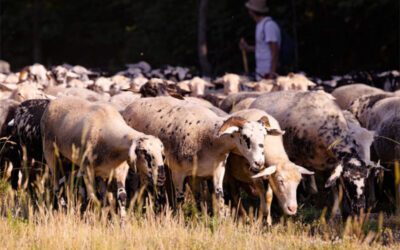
333 36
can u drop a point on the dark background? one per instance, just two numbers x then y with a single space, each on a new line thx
334 36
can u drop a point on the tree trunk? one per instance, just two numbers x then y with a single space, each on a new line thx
202 38
294 26
37 48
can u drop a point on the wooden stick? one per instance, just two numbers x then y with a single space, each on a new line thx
244 57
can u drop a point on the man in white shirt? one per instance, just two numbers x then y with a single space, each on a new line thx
268 40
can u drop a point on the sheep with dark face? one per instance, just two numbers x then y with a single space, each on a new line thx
197 141
318 136
96 138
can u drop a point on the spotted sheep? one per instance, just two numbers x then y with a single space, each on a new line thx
384 119
284 175
104 143
25 128
344 95
318 136
197 140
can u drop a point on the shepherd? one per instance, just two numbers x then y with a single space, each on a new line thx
268 40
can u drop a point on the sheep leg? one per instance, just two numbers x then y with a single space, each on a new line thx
269 196
121 172
371 190
102 190
218 180
178 180
265 199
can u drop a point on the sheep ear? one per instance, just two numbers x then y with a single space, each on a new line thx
175 94
265 121
265 172
233 124
275 132
304 170
334 176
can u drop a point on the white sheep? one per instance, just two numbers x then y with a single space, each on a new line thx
103 143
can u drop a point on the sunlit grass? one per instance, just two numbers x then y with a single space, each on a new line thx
25 225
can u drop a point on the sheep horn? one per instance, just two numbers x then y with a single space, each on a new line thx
232 121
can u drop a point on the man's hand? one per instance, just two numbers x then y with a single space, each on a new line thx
244 46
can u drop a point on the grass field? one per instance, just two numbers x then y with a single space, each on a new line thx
24 225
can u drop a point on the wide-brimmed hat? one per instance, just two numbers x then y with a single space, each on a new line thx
257 5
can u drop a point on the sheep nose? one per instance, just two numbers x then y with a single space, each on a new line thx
292 209
259 164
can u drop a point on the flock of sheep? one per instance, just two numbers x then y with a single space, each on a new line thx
260 137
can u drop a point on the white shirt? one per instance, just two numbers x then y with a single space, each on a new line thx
266 31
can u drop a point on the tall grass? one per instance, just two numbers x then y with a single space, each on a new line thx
35 224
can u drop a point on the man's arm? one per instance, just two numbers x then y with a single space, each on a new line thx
275 57
244 46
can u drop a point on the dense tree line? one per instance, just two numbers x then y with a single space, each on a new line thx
334 36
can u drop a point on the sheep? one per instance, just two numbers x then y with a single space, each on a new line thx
318 136
105 141
36 73
231 100
4 67
285 175
26 131
196 86
231 83
197 141
28 91
384 119
362 106
293 82
159 87
346 94
77 92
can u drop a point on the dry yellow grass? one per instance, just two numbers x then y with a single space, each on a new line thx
46 228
